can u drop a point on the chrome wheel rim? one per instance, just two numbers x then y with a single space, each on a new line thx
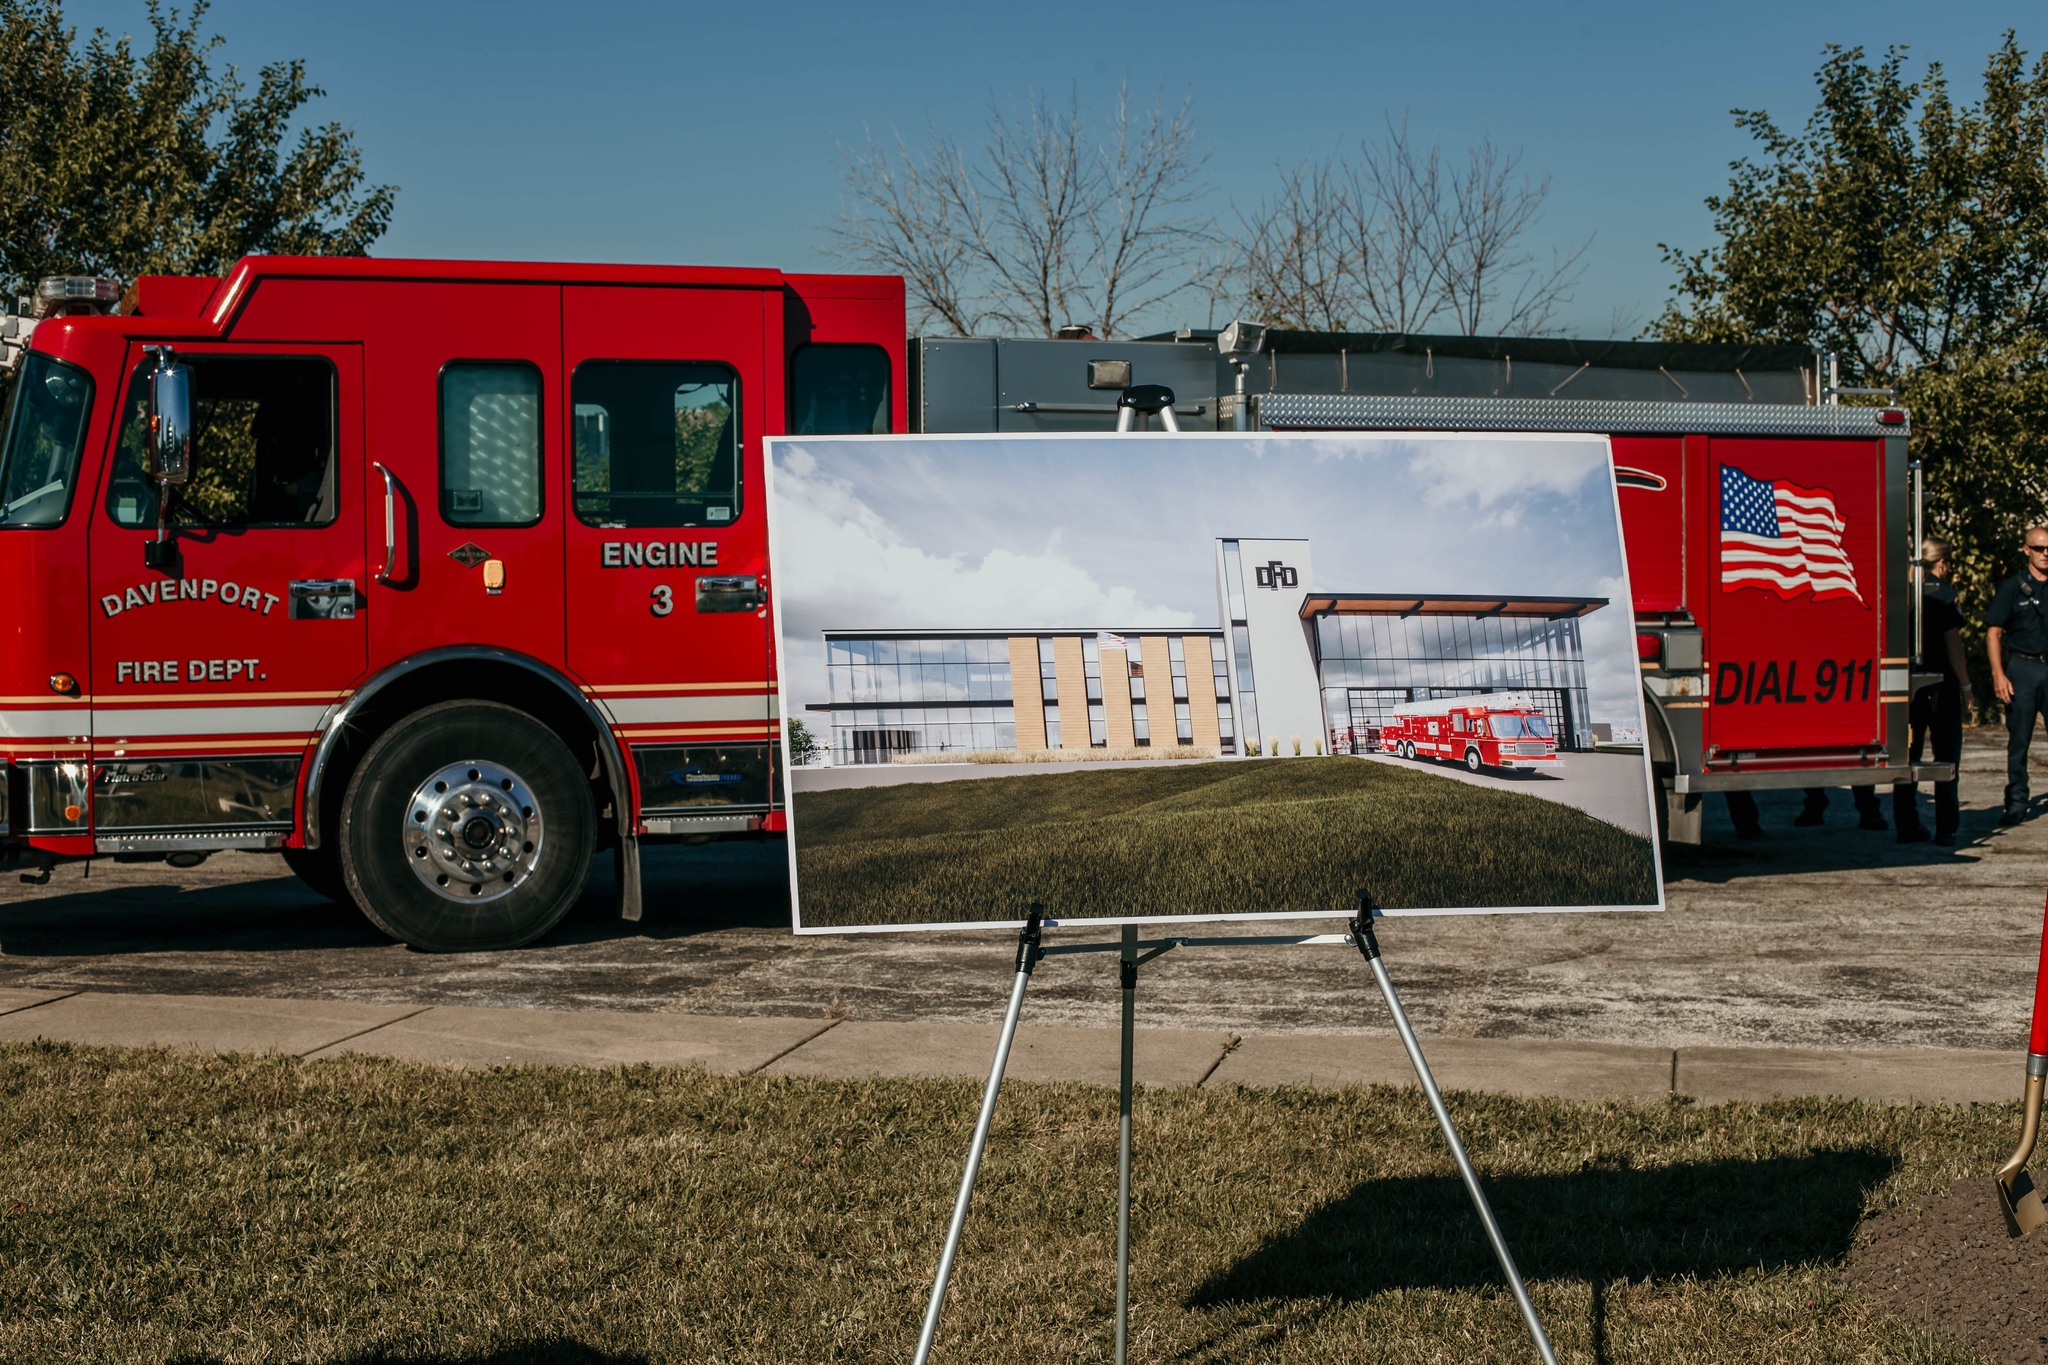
473 832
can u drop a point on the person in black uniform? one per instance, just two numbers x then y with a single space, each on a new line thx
1936 555
2016 637
1937 712
1814 810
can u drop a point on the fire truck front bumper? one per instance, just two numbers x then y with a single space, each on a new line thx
1533 765
1774 779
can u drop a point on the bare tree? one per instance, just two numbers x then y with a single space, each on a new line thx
907 227
1489 273
1400 231
1296 267
1043 225
1395 242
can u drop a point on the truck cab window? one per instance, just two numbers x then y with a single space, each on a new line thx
262 446
656 443
839 391
490 444
45 431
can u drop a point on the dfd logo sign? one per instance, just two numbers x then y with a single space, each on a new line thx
1275 575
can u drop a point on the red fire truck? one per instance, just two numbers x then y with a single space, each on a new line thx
1771 533
1504 730
436 577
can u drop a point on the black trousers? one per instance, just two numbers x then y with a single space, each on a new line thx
1936 720
1864 797
2029 678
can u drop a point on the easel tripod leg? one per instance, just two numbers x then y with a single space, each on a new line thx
1368 944
1128 968
1028 953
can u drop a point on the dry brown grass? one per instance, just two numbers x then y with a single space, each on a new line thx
162 1207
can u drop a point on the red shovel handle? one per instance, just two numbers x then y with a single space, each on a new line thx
2037 1041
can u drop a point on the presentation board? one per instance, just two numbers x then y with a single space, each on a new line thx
1157 677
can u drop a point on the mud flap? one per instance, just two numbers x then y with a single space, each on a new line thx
626 859
1684 814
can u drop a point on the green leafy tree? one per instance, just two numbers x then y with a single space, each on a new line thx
122 163
1908 233
803 745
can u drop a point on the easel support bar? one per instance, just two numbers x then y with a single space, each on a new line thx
1028 953
1369 944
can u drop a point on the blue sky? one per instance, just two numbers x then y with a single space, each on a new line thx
1119 531
690 133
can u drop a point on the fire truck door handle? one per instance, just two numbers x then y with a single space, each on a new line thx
390 521
728 592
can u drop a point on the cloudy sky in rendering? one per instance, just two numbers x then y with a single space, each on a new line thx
1118 531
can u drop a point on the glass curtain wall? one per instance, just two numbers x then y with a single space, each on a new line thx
931 695
1419 657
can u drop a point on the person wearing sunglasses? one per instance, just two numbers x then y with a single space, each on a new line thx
1936 558
2016 637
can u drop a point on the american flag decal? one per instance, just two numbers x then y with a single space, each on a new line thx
1782 538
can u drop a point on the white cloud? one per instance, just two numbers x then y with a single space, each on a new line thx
841 566
1487 475
1613 681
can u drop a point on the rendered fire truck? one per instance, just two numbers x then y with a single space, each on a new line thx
1753 677
435 577
1504 730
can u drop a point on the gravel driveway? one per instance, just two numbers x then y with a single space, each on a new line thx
1805 937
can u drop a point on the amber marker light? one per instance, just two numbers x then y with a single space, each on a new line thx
63 684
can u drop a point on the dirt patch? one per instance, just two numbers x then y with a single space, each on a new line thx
1948 1263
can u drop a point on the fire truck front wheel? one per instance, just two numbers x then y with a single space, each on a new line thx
1472 761
468 826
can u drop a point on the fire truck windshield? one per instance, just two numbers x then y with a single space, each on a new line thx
45 429
1520 727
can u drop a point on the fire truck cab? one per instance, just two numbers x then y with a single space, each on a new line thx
435 577
1503 730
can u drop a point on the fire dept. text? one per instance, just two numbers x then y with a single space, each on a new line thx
186 670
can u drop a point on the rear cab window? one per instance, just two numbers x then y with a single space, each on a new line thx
655 443
839 390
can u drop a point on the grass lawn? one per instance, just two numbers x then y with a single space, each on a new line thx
1200 838
166 1207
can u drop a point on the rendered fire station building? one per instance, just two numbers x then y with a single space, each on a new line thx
1291 667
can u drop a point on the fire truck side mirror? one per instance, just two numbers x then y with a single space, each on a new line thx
170 421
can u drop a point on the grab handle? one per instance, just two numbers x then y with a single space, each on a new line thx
390 521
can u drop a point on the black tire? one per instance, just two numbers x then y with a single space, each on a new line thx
384 830
1472 763
320 870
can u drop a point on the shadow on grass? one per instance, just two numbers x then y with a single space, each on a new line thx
540 1352
1596 1225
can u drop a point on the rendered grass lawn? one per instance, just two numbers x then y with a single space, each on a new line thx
159 1207
1299 834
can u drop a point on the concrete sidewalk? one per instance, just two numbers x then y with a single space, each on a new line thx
468 1036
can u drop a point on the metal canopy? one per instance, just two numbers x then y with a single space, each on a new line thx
1444 604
